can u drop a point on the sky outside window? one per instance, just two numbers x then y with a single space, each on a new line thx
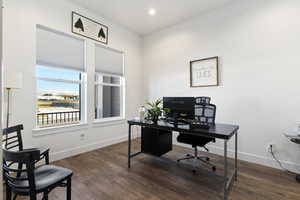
55 73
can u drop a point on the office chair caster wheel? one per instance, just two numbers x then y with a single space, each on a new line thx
214 168
207 158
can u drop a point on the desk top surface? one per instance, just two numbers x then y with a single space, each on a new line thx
222 131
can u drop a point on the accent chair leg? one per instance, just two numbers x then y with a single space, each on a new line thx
32 196
45 197
8 192
69 188
15 197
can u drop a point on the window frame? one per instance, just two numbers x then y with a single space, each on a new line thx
121 85
82 94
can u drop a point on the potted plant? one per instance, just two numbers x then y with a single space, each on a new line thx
154 110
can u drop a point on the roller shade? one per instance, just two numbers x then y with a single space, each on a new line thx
58 49
109 61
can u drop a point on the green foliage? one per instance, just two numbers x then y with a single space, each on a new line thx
155 109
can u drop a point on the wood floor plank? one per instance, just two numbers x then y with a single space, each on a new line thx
103 175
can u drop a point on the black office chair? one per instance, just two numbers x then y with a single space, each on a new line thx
205 114
32 181
202 100
12 140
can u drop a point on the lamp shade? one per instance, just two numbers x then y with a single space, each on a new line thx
12 80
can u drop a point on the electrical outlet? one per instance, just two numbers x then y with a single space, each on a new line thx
270 148
82 136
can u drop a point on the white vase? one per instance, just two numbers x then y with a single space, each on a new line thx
142 113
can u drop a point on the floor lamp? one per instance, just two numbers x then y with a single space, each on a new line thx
12 81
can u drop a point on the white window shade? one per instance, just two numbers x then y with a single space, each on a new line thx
58 49
109 61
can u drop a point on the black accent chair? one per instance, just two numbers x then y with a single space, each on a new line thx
205 113
31 181
12 140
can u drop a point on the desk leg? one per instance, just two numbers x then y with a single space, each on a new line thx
236 149
129 145
225 171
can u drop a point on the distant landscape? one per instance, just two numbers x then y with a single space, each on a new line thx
58 108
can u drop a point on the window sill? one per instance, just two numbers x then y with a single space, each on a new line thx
109 121
58 129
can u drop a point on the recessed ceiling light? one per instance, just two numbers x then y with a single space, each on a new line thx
152 11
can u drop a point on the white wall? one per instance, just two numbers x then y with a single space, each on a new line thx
258 43
1 53
20 19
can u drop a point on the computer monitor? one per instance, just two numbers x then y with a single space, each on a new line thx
179 107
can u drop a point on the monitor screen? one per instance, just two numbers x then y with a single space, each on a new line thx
179 107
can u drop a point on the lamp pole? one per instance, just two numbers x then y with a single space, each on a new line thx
8 98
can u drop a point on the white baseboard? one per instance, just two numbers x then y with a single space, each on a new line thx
86 148
262 160
270 162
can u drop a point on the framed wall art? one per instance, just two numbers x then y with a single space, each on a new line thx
204 72
89 28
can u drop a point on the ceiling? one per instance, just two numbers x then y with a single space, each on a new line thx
134 13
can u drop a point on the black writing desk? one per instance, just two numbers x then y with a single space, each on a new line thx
220 131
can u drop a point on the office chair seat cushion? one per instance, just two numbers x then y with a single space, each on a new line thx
200 141
45 177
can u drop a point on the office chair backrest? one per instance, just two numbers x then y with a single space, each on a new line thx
202 100
11 171
205 113
12 138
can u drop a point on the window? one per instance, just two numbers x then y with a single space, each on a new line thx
108 96
59 96
60 69
109 83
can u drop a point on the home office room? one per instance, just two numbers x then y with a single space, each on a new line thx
149 99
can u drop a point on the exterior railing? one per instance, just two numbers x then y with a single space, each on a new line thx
57 118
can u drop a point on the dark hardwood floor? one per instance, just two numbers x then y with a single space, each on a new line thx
103 175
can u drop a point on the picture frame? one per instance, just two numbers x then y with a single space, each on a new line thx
89 28
204 72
